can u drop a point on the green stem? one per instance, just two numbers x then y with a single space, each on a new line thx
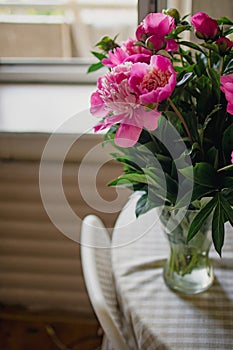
155 141
179 115
222 66
210 59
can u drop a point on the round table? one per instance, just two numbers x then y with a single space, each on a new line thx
156 317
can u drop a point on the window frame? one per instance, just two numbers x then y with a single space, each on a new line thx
62 70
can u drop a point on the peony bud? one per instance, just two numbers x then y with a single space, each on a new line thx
173 13
206 27
155 43
224 45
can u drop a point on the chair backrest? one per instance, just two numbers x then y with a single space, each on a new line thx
97 270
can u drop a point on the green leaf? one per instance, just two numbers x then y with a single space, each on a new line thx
160 179
187 172
146 203
205 175
106 44
98 55
200 218
202 173
212 47
227 209
200 192
127 161
196 193
179 29
94 67
228 31
215 78
224 20
228 140
192 46
227 181
141 205
218 226
131 178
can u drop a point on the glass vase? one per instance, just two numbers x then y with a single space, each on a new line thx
188 269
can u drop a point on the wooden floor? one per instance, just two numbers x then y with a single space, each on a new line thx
21 330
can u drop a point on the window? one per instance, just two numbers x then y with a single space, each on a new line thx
61 28
51 40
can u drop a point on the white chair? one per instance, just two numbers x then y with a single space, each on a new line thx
96 265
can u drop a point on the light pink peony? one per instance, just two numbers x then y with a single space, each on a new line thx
155 82
120 105
205 26
227 88
232 157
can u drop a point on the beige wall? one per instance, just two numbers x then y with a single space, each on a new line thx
215 8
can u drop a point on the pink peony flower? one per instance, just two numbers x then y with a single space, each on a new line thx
155 24
140 57
153 30
115 57
232 157
227 88
132 49
121 106
97 105
127 52
155 42
171 45
155 82
206 27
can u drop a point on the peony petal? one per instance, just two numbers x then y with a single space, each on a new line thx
127 135
230 108
158 23
150 119
116 57
171 45
136 75
108 121
226 79
139 57
97 105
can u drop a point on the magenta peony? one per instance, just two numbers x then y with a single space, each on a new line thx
224 45
117 102
155 24
227 88
153 31
115 57
155 82
206 27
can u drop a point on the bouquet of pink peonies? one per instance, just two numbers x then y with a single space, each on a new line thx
167 105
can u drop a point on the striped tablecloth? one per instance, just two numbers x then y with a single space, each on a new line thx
155 316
